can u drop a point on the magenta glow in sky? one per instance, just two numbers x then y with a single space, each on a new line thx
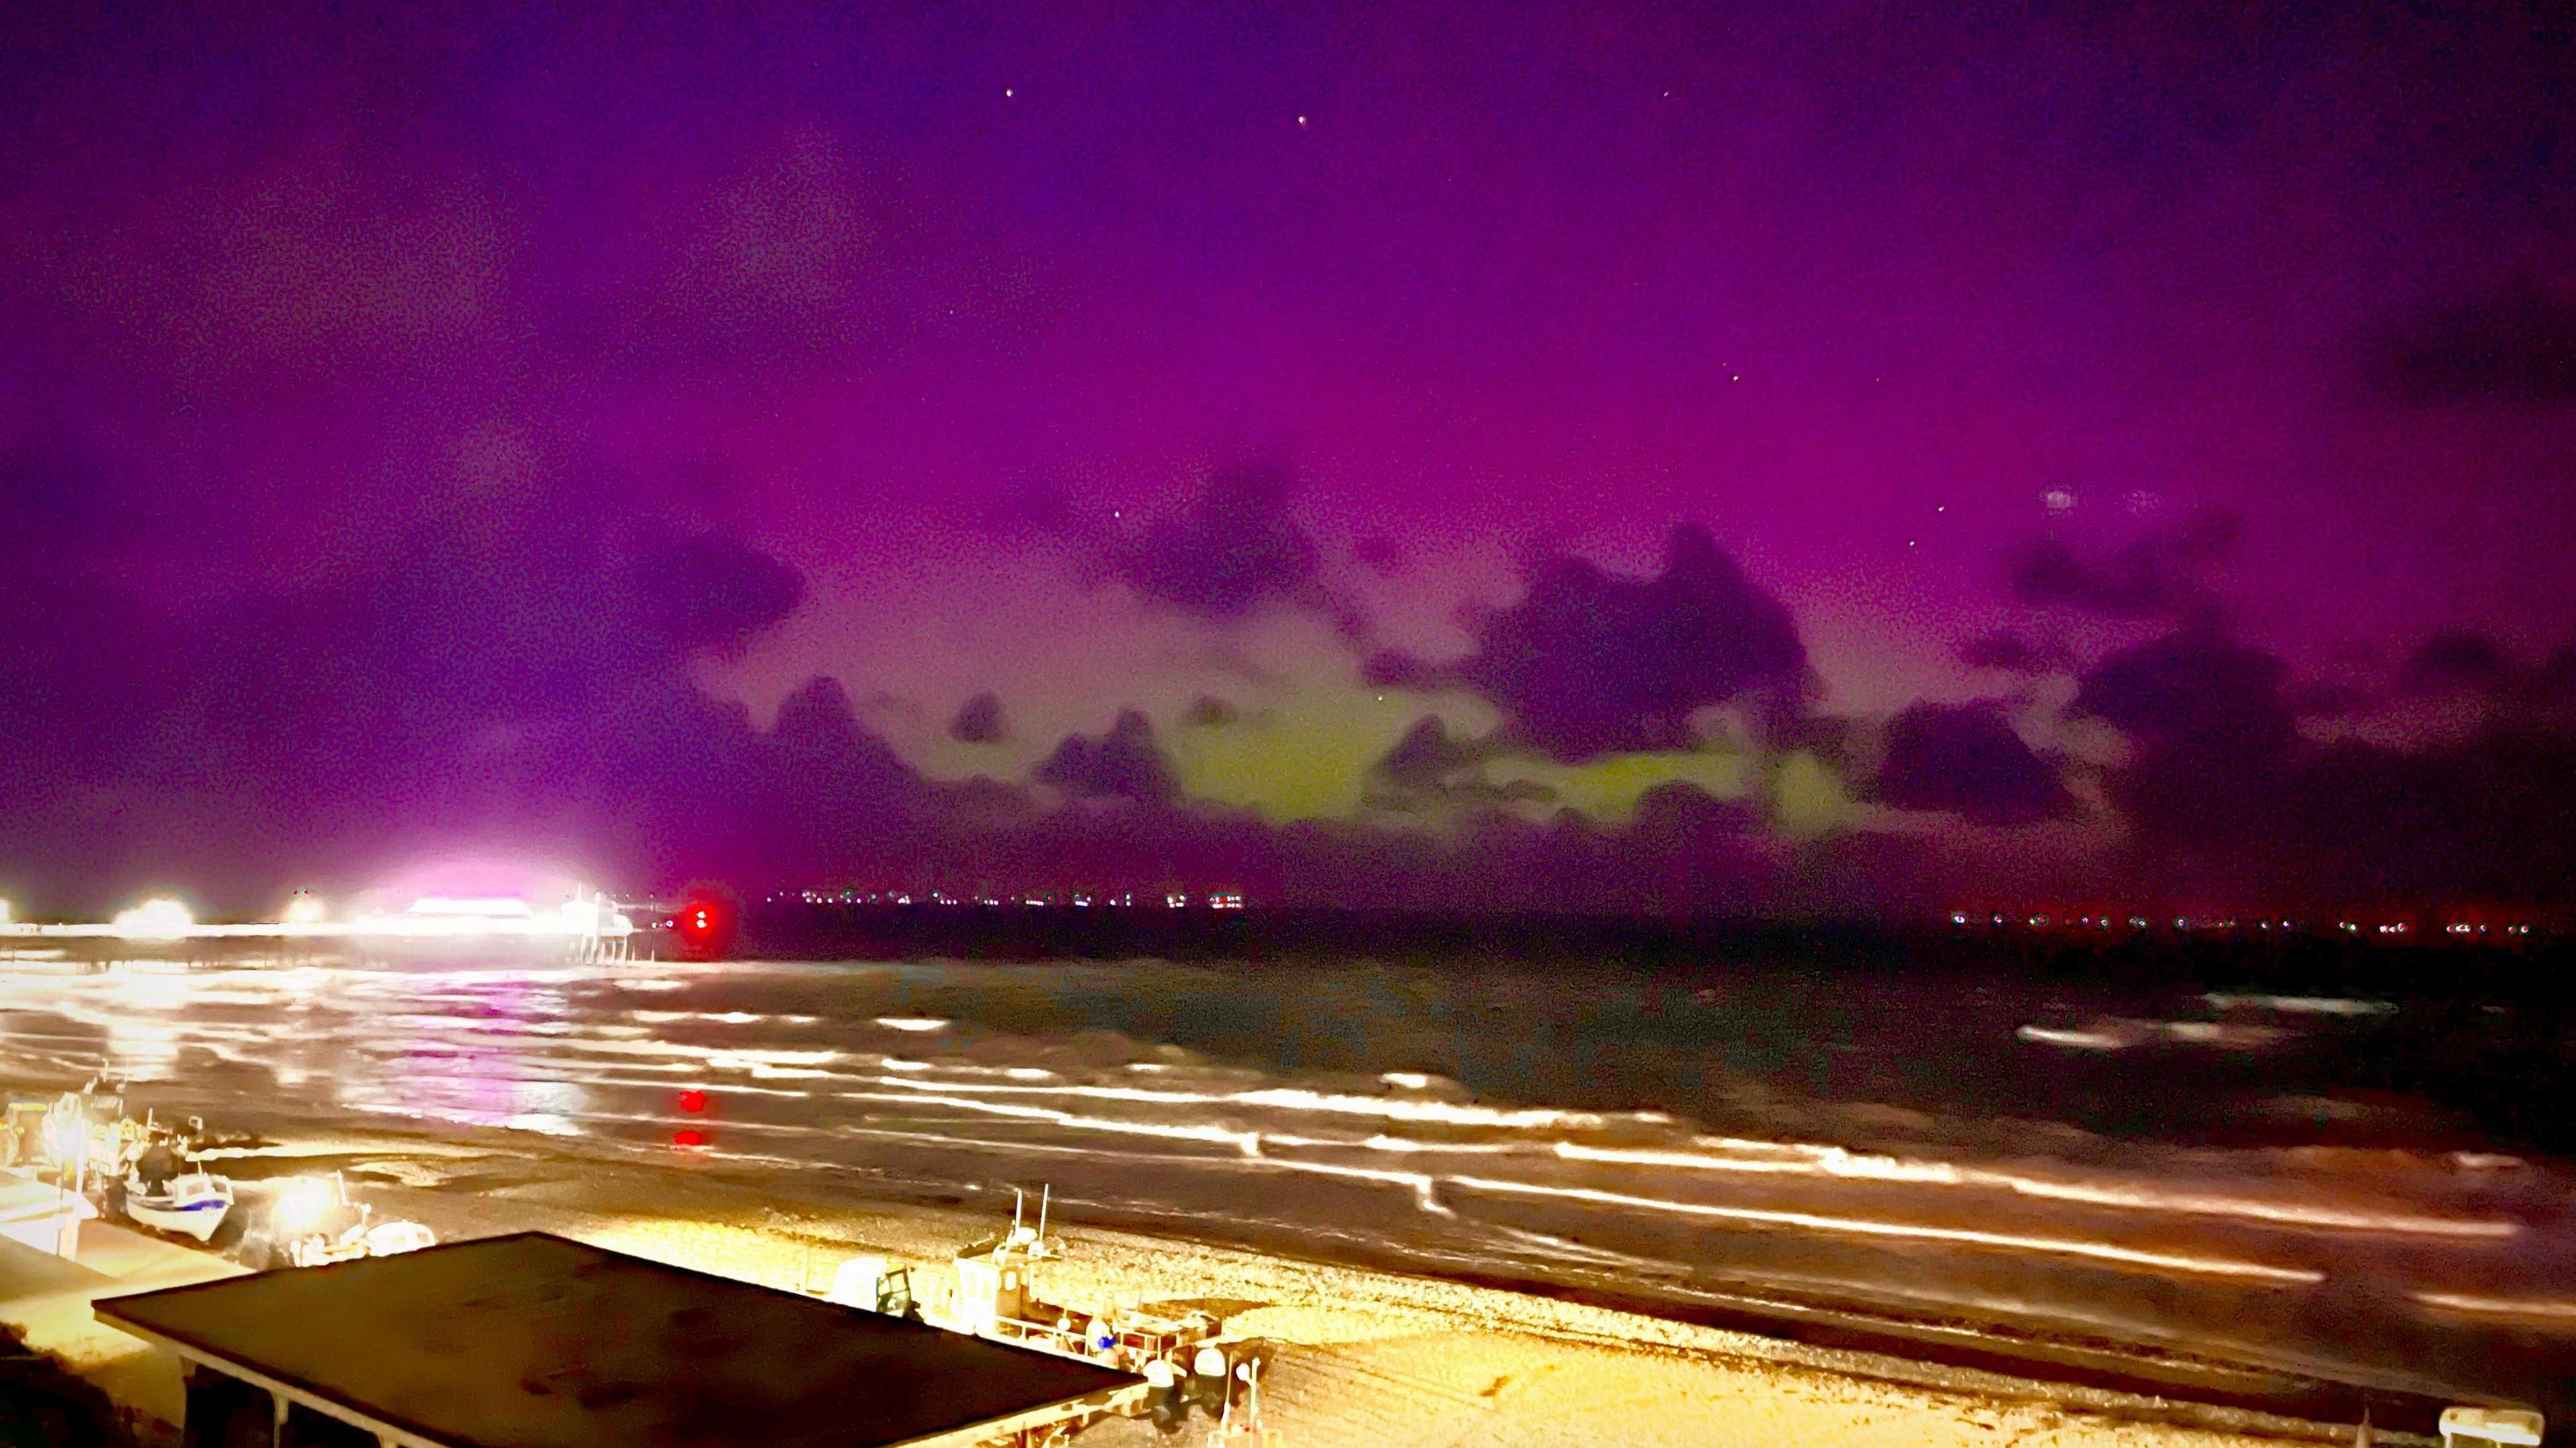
438 428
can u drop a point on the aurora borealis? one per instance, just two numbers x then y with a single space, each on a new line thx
1656 457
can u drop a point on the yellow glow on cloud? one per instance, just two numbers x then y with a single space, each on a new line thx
1307 754
1808 798
1607 789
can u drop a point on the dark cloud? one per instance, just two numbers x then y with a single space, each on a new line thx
2484 818
1427 756
706 591
1125 763
1429 769
1588 664
1795 731
2213 725
2010 653
514 674
831 790
1678 819
2197 689
1207 711
1396 669
1232 550
1466 794
2457 659
978 721
2515 345
2222 784
2158 576
1967 760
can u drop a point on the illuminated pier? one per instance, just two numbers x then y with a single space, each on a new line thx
586 926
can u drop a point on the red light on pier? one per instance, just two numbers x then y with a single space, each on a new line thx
693 1101
705 923
689 1137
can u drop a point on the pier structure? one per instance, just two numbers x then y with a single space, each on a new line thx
586 927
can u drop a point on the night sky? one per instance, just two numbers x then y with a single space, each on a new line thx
1640 458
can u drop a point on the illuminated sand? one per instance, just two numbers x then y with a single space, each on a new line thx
46 1301
1361 1358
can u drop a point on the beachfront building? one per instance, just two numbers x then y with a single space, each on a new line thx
534 1341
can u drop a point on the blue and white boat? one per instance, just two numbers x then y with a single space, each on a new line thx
191 1204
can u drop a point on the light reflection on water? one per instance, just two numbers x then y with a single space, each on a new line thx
1611 1131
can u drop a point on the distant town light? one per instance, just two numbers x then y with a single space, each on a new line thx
303 908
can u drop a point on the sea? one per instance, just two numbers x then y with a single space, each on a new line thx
2279 1198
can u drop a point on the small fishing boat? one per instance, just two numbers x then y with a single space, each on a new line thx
319 1225
191 1204
997 1296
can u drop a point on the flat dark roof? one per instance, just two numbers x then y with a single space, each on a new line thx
533 1341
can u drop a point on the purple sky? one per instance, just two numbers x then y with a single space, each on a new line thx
418 431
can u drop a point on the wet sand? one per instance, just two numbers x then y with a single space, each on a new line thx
1356 1357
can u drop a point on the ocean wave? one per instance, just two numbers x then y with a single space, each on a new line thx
1840 1162
1879 1227
1298 1099
2112 1033
2301 1005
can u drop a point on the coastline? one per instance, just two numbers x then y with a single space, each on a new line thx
1361 1354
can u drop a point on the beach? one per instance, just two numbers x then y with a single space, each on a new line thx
1354 1357
1586 1175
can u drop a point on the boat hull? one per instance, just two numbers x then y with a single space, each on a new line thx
199 1220
194 1205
